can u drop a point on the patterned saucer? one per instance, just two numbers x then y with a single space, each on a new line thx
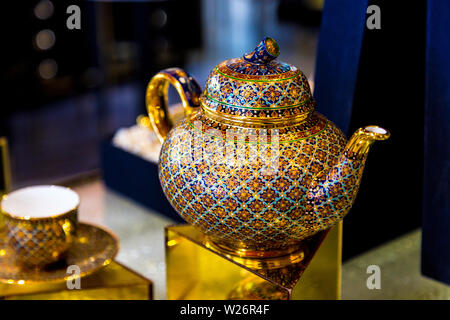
93 249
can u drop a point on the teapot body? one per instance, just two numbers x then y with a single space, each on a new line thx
248 195
252 165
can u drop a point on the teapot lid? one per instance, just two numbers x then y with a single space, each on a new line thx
257 88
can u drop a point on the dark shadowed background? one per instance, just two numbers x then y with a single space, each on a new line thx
64 91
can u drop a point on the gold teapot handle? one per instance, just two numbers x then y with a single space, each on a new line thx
157 102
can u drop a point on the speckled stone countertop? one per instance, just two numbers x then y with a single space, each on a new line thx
141 234
399 262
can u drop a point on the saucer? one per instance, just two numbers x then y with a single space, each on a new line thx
93 249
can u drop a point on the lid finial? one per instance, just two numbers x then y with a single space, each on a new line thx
266 51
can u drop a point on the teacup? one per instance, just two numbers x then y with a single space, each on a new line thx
40 223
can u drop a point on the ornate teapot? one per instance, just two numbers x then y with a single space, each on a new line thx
252 165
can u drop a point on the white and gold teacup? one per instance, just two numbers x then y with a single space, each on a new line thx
40 223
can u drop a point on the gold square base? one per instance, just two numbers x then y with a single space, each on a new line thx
114 282
198 270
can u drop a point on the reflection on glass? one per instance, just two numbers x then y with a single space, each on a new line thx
45 39
44 10
48 69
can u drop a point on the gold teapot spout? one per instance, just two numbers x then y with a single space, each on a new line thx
363 138
333 192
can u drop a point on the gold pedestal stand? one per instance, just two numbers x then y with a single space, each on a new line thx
114 282
198 269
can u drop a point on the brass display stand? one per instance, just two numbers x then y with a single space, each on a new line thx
5 169
114 282
196 269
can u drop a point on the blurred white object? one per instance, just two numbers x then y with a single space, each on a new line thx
311 82
139 140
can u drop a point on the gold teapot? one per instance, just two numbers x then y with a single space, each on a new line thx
252 165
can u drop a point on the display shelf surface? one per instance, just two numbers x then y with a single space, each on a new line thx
140 231
141 234
114 282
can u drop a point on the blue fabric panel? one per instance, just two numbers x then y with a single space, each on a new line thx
339 47
135 178
436 204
